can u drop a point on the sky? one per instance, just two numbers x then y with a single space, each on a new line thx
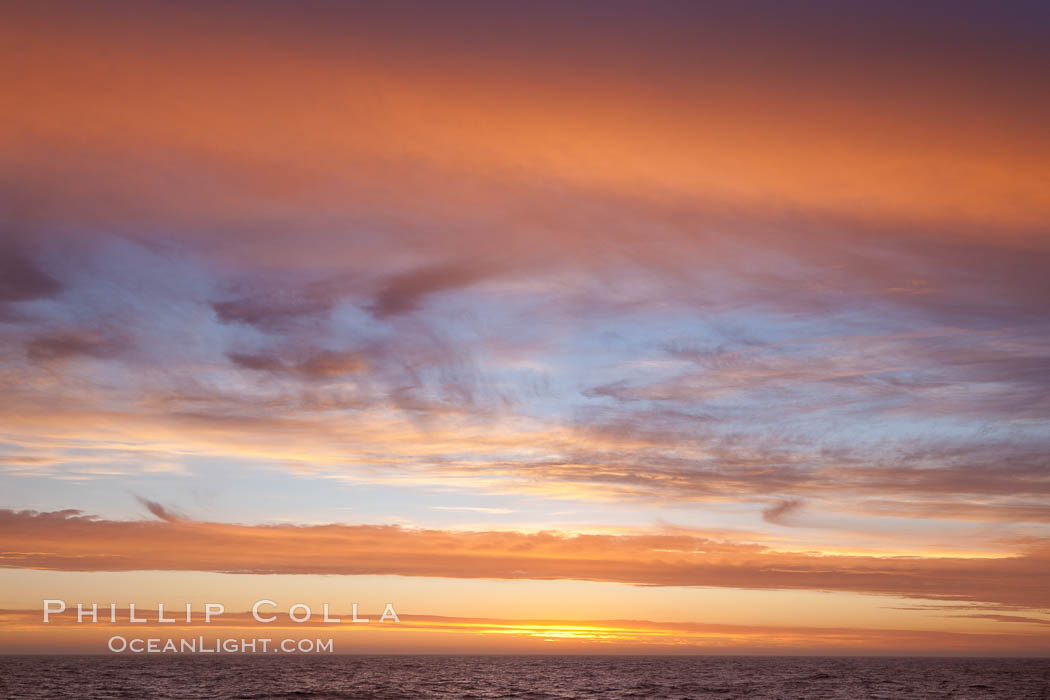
601 327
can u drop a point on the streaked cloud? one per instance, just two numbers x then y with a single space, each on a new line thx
69 540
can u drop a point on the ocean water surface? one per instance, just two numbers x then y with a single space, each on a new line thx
250 676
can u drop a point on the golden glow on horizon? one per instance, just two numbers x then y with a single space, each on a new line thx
432 633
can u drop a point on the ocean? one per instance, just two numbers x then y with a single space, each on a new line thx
257 676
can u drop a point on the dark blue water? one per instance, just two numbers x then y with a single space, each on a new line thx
520 677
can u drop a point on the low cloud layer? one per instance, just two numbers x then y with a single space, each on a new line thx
71 541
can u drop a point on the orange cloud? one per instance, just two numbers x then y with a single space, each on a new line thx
69 541
375 116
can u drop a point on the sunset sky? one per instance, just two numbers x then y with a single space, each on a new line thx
562 326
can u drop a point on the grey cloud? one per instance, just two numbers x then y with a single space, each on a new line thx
22 278
165 514
780 513
405 292
319 365
65 344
